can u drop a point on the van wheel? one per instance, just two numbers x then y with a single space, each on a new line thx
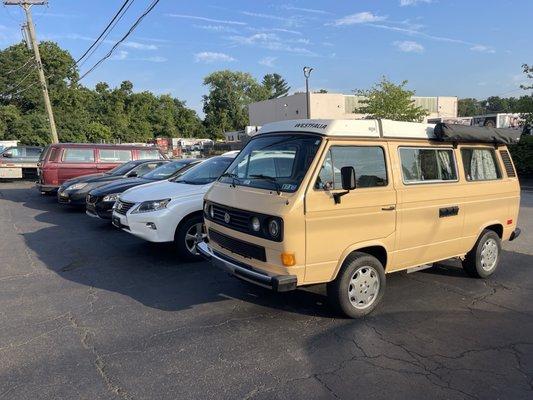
359 286
483 259
188 233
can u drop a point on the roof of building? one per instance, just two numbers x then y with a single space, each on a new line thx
358 128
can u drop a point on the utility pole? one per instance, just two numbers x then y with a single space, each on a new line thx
26 6
307 74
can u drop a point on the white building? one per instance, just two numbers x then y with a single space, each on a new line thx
335 106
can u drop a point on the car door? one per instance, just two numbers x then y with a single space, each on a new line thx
364 216
76 161
430 204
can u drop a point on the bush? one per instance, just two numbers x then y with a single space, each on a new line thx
522 154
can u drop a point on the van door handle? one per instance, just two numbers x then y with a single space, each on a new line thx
448 211
389 208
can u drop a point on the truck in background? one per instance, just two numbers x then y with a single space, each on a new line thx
17 162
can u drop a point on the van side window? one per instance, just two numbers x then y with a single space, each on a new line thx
368 162
480 164
111 155
427 165
78 155
149 155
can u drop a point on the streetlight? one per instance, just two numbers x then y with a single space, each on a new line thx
307 74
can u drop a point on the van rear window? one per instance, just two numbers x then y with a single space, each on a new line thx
78 155
480 164
427 165
115 155
151 154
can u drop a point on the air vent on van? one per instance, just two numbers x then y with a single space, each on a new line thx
507 163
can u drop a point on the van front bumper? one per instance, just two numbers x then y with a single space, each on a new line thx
278 283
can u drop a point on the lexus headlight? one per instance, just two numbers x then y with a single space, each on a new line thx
111 197
76 186
152 205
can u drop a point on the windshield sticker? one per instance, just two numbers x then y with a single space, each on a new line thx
288 186
311 125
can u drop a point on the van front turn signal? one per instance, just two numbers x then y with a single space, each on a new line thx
288 259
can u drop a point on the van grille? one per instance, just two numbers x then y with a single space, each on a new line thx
236 246
238 219
122 207
508 164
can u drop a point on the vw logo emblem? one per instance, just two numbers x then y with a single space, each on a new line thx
226 218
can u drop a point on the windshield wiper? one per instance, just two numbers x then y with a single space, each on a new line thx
268 178
230 175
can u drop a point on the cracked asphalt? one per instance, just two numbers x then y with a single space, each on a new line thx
90 312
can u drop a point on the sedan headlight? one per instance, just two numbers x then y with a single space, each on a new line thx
76 186
111 197
152 205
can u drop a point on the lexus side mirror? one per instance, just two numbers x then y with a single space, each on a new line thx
7 155
132 174
348 178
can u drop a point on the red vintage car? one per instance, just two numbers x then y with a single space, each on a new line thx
63 161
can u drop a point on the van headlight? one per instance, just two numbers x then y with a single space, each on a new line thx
274 228
76 186
111 197
152 205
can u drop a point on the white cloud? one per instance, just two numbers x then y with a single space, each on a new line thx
286 31
198 18
216 28
404 3
408 46
120 55
155 59
483 49
210 57
290 21
137 45
268 61
359 18
270 41
308 10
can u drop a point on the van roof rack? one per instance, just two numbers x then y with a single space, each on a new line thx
384 128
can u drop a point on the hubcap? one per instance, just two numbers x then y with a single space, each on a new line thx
364 287
195 234
489 254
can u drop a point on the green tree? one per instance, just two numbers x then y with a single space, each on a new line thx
390 101
225 106
275 85
468 107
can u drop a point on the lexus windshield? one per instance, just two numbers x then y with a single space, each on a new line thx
206 172
273 162
165 171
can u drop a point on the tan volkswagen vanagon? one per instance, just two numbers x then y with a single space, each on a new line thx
345 202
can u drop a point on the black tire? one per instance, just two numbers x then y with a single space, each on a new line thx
339 290
180 238
475 263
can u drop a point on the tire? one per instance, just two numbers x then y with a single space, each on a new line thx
484 258
183 240
367 273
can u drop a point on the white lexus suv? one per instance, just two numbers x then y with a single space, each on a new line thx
170 210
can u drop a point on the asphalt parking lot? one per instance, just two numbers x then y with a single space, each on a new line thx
87 311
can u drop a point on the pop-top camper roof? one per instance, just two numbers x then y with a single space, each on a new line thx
374 128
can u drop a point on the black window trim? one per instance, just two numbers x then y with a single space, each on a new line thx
325 154
494 157
432 181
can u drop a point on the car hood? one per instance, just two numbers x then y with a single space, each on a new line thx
83 178
163 190
118 186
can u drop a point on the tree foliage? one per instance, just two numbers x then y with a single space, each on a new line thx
226 105
388 100
82 114
275 85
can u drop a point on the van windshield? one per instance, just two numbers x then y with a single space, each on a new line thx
277 162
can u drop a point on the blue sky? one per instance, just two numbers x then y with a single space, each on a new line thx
465 48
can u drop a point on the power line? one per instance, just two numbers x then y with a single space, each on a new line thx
104 37
126 2
21 67
129 32
21 81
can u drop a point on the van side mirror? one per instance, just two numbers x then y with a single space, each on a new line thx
348 178
348 183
